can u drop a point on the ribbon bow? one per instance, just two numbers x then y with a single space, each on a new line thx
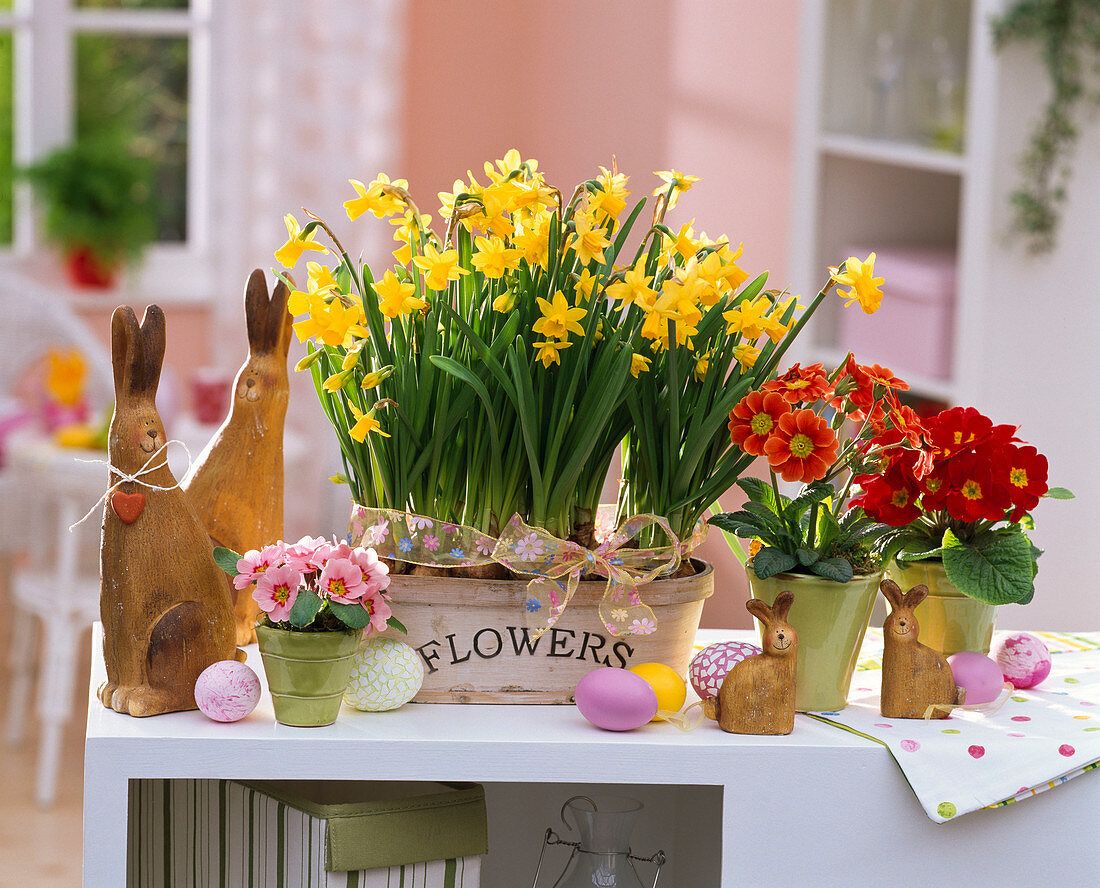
557 566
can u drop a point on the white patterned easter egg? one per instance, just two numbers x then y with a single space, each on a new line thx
713 663
227 691
387 673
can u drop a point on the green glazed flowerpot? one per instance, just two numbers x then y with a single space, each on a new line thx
307 673
830 619
949 620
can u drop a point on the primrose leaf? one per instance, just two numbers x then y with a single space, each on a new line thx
305 608
227 560
770 561
1000 571
838 570
353 616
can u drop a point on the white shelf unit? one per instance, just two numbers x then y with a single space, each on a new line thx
728 809
852 187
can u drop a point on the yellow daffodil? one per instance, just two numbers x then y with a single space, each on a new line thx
685 242
504 302
534 239
679 182
511 162
748 318
317 285
731 272
309 360
439 268
589 241
337 381
610 200
745 354
638 364
548 352
352 357
289 253
66 375
633 287
702 365
558 319
584 284
494 257
330 322
698 287
376 377
375 197
407 227
396 299
532 199
365 423
860 277
319 277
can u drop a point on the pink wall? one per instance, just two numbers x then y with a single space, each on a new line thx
704 86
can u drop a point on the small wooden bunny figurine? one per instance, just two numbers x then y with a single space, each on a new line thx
757 697
236 484
166 606
913 676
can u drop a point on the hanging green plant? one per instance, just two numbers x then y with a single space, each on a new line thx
1068 33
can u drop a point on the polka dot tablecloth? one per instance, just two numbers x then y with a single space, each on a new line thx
1038 739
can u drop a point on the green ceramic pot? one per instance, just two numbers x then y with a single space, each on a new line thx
830 619
307 673
949 620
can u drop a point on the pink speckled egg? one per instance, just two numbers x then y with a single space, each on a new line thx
1023 658
977 673
615 699
713 663
227 691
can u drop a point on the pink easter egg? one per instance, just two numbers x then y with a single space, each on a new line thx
227 691
1023 657
615 699
713 663
977 673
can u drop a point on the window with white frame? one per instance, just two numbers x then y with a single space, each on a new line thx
77 68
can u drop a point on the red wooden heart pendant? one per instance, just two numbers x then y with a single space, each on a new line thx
128 506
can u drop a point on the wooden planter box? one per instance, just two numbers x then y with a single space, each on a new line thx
475 646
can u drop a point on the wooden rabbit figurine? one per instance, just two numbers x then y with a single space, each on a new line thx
166 606
913 676
757 697
236 484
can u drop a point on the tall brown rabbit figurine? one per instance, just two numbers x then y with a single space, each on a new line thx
166 606
236 484
757 697
913 676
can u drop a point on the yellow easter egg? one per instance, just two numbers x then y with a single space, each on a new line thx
669 686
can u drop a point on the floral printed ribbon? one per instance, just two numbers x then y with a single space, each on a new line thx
556 565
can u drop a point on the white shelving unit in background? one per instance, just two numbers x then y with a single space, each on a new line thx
871 168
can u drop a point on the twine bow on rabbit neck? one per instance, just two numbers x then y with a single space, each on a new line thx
134 478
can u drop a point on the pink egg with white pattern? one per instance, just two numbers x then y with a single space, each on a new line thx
227 691
713 663
1023 657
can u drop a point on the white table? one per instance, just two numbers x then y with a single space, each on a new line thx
818 807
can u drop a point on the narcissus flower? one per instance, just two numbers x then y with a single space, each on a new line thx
680 182
439 267
395 298
494 257
745 354
633 286
66 375
289 253
638 364
584 283
588 240
748 318
859 276
365 423
802 447
558 319
375 197
549 351
754 418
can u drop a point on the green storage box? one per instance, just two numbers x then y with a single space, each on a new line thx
321 834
